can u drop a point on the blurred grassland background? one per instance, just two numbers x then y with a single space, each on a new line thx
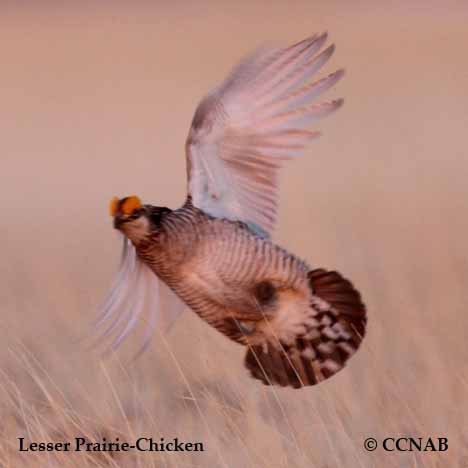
96 100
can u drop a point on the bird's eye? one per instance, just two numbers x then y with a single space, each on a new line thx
130 205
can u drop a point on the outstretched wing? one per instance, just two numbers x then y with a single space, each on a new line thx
328 336
136 294
246 127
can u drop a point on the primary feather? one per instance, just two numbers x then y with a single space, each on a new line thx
245 128
136 294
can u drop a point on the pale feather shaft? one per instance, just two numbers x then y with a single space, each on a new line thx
258 117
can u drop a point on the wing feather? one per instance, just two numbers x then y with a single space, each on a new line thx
136 294
248 126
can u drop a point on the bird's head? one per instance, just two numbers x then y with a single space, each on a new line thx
131 217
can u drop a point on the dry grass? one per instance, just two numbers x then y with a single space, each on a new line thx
97 103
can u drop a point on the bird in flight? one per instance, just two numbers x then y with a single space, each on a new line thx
215 254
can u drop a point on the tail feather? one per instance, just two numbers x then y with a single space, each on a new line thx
334 332
341 295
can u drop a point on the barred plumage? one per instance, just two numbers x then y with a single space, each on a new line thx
300 326
208 260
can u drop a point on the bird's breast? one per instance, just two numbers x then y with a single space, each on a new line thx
217 264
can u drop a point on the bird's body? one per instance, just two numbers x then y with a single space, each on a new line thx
215 266
215 253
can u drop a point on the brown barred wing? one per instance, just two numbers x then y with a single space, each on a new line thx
333 333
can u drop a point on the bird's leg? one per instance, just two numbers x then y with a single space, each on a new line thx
247 328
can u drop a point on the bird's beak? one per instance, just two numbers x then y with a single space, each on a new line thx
118 221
